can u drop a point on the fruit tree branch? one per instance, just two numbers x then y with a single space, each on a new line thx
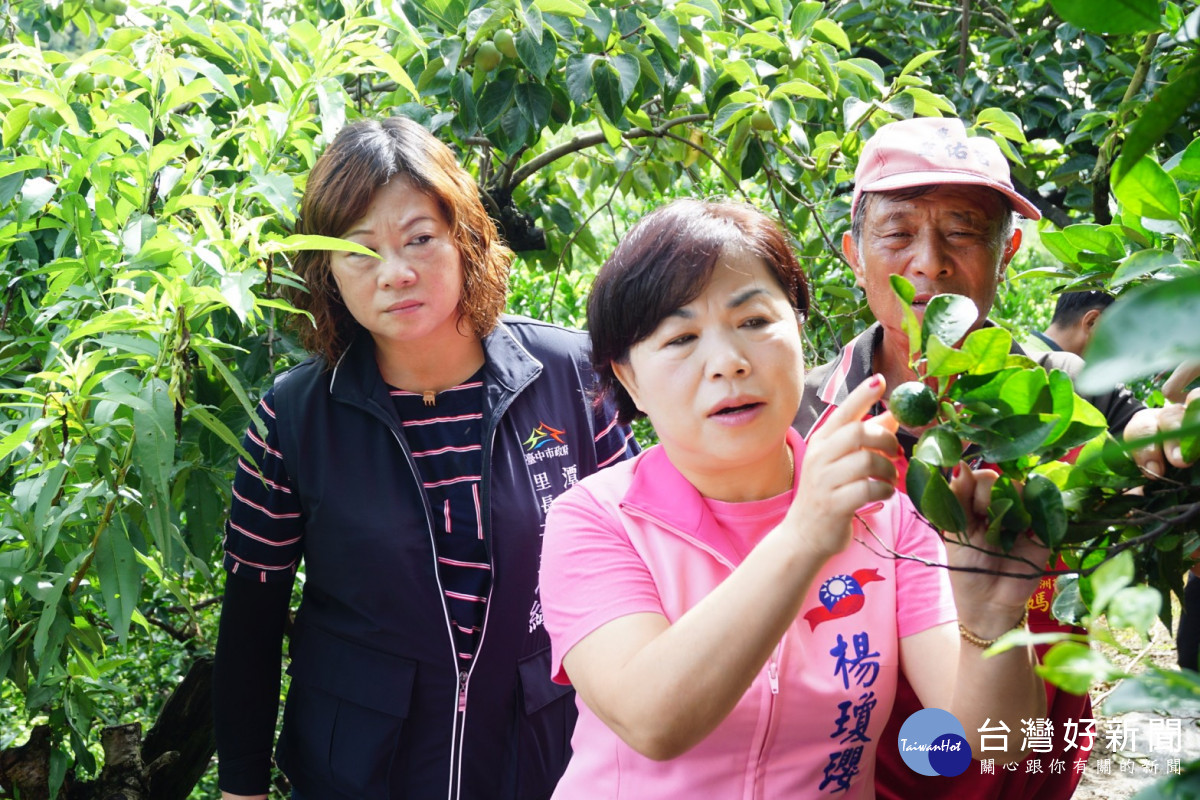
591 140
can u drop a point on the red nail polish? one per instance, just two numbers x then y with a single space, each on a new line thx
876 381
957 469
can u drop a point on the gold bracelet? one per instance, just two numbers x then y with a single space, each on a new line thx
979 641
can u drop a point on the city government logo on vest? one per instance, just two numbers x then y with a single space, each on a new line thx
933 742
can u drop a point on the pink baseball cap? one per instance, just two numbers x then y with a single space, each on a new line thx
934 150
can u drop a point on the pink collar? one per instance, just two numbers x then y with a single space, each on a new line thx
660 492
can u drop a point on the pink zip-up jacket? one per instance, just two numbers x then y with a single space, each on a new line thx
639 537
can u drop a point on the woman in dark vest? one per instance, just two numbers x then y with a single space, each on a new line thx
404 471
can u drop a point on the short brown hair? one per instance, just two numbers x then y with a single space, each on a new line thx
663 263
361 158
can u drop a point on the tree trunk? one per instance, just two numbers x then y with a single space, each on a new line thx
180 746
25 770
166 765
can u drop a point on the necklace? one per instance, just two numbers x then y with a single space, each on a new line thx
430 397
791 469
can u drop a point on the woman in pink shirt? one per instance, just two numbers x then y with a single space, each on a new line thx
729 605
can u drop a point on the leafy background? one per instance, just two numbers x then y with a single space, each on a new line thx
153 155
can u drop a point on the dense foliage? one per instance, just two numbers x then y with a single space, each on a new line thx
153 155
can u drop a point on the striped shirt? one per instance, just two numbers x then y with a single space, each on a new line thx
264 535
446 443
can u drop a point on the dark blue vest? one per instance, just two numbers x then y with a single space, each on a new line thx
378 707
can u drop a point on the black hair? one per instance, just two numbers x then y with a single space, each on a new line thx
1072 306
663 263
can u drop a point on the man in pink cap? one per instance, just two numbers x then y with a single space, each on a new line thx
937 206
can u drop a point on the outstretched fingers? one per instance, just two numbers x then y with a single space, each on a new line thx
849 461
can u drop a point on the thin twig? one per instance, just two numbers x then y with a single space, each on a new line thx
736 183
1097 700
549 312
964 40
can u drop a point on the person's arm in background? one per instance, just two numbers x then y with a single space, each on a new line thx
246 675
1152 458
1175 387
1129 419
951 673
263 542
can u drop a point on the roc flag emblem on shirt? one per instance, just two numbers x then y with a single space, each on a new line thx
841 596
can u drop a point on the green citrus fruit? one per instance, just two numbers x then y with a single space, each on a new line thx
114 7
85 83
504 43
487 57
761 121
913 404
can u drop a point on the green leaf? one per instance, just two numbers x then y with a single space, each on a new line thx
989 347
567 8
942 360
629 70
237 291
1047 516
1186 164
215 363
866 69
828 31
1074 667
15 439
1109 578
1027 391
1170 692
1147 190
764 40
608 90
536 54
804 15
908 318
928 104
1060 247
60 106
51 615
298 242
1149 329
15 120
154 456
580 86
948 317
939 447
1089 238
918 61
1161 115
214 424
19 164
35 194
120 576
1135 607
1189 444
1117 16
535 101
1068 606
1001 122
1141 264
1015 436
797 88
930 493
497 96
